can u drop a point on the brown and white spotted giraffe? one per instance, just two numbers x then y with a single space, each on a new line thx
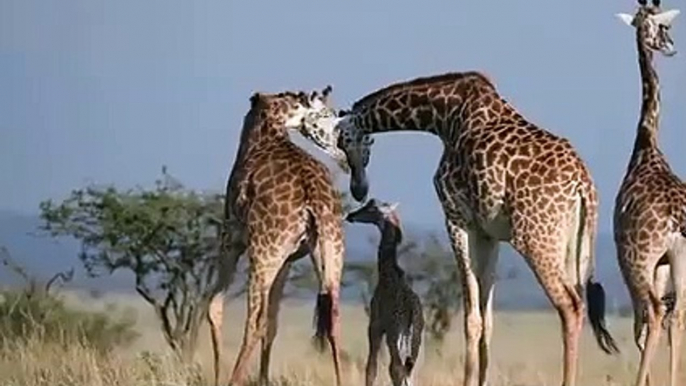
281 204
395 309
501 178
650 208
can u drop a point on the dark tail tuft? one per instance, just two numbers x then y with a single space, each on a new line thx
668 301
323 320
595 296
409 365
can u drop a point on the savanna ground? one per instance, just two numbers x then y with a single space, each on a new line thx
526 352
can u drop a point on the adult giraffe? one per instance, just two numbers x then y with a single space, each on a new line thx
280 205
650 208
501 178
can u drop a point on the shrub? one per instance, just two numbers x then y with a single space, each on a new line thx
26 315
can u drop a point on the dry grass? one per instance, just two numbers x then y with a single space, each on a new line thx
526 352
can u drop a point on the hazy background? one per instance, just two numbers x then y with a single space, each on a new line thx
107 92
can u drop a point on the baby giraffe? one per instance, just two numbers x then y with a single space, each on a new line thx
396 310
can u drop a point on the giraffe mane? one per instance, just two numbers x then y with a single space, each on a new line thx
421 81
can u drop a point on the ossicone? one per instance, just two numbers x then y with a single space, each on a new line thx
254 98
327 90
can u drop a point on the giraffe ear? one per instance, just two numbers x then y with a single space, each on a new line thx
394 206
666 18
626 18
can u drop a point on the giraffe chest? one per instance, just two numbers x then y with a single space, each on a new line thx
477 201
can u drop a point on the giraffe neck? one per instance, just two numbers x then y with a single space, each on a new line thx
259 129
442 105
646 136
387 260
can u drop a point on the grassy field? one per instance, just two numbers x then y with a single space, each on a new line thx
526 352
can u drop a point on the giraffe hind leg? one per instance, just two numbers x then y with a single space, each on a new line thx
548 265
263 272
275 296
677 260
648 309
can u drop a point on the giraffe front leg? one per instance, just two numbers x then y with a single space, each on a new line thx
374 336
473 322
484 254
275 296
396 368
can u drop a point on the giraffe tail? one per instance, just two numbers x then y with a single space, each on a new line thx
595 293
323 320
595 297
328 264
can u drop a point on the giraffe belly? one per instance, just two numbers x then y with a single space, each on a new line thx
498 226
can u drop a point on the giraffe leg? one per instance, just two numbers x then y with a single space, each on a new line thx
485 255
275 296
678 323
374 336
648 309
548 266
653 320
473 323
640 328
260 282
396 368
661 279
328 262
231 250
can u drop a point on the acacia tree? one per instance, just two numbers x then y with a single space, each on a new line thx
166 236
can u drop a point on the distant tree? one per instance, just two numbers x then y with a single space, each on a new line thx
166 236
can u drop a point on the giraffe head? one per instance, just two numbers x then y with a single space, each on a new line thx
356 145
338 136
652 25
318 126
376 212
298 109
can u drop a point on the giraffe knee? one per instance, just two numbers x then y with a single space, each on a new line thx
215 311
474 325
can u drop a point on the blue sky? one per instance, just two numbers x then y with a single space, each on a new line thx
107 92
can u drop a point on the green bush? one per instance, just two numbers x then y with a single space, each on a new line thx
28 315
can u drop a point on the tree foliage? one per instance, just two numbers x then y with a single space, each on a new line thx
166 236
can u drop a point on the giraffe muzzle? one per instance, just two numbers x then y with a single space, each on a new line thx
359 188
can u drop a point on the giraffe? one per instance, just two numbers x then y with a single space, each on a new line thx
280 206
650 209
500 178
395 309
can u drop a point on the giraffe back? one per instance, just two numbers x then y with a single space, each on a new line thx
276 188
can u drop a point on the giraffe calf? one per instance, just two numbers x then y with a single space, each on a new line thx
395 310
